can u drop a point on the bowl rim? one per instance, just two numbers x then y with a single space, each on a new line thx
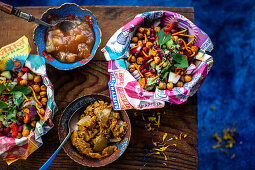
58 7
124 112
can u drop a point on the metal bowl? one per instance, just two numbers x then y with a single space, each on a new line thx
71 151
69 10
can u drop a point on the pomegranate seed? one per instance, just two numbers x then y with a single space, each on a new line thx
145 49
144 71
20 129
6 130
173 31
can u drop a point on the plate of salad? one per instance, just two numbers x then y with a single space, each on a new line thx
162 56
23 100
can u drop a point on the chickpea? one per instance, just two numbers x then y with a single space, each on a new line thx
149 45
139 60
42 111
157 60
148 32
174 38
179 84
38 97
43 87
131 68
139 35
36 88
194 49
33 124
140 43
20 74
134 39
153 64
70 58
187 78
157 29
23 82
141 29
170 86
44 101
133 59
43 93
162 85
25 132
19 135
37 79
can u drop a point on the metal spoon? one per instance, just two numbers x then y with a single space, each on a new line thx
72 126
65 25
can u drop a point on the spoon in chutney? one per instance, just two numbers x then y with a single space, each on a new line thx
63 25
71 126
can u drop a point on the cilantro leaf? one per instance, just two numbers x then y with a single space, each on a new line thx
2 88
3 105
181 60
20 88
1 117
18 98
165 75
162 37
165 69
165 72
11 114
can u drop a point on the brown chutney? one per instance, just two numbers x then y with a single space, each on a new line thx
71 46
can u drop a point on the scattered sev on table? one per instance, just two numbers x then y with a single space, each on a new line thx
227 141
152 123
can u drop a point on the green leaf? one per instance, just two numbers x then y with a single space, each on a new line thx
181 60
11 114
165 75
3 105
162 37
18 98
165 72
169 43
165 69
5 123
20 88
2 88
26 126
1 117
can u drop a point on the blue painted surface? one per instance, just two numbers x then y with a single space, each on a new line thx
229 87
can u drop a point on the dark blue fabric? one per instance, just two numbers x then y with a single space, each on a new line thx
229 87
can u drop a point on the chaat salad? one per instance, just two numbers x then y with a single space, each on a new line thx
23 100
162 57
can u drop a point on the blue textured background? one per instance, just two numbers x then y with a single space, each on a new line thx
229 87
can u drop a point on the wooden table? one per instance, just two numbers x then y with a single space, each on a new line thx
93 78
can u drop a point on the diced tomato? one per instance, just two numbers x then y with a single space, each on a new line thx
25 69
